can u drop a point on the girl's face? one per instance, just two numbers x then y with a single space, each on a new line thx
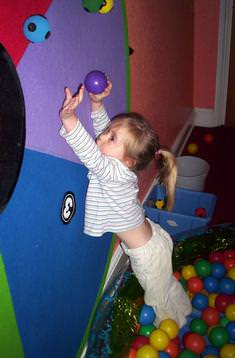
112 142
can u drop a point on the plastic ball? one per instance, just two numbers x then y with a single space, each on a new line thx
195 342
170 327
164 355
211 299
211 284
186 353
159 339
92 5
229 263
223 321
228 351
188 271
210 350
229 253
211 316
203 268
218 336
107 7
173 349
146 330
200 301
218 270
231 273
198 326
132 353
37 28
147 351
195 284
139 341
222 301
192 148
231 330
95 82
216 256
230 312
201 212
147 315
208 138
227 286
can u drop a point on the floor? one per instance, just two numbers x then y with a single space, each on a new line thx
215 145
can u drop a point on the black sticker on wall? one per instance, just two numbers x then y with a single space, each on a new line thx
68 207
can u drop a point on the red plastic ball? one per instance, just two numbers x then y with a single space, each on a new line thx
222 301
139 341
173 348
211 316
229 263
229 253
195 343
195 284
216 256
208 138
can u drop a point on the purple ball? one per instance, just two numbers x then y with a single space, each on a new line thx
95 82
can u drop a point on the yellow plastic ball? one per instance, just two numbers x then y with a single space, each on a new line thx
159 339
230 312
192 148
107 7
231 273
228 351
210 356
170 327
188 271
211 299
147 351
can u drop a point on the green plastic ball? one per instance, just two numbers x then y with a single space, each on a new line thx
187 354
198 326
203 268
146 330
218 336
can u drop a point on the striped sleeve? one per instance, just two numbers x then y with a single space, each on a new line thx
86 149
100 120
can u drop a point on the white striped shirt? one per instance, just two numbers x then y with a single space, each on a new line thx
112 203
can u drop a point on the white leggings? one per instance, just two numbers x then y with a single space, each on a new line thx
152 265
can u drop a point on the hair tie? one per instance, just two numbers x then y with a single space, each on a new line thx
158 153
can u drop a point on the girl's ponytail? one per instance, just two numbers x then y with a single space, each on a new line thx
167 175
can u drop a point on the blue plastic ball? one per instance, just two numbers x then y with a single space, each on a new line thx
147 315
218 270
211 284
37 28
200 301
95 82
227 286
163 355
231 330
210 350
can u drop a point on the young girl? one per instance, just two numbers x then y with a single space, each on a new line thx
123 146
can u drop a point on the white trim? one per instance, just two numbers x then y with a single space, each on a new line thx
204 117
223 57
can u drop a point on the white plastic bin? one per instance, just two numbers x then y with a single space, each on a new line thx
192 172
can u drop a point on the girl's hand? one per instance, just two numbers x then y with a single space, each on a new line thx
69 106
97 99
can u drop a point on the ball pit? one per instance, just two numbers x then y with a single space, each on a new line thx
212 322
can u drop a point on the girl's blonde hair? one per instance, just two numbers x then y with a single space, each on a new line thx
142 145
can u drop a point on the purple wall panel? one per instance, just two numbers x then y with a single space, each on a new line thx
79 42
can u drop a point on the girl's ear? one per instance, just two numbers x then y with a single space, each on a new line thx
130 162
